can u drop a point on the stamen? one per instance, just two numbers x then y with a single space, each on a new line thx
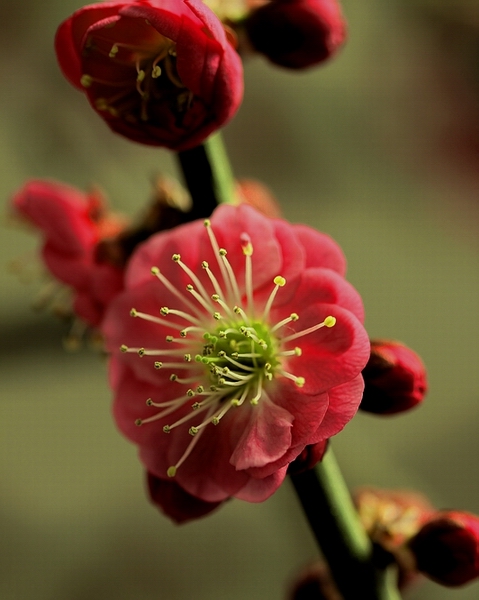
248 277
216 251
214 281
292 317
278 282
299 381
193 277
231 275
169 286
153 319
328 322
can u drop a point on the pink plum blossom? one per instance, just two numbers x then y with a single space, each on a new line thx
159 72
72 224
245 345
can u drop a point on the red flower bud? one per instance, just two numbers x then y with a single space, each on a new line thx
446 549
308 458
394 377
159 72
175 502
315 582
297 33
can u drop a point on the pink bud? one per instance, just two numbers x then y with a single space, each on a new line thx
297 33
309 457
446 549
394 377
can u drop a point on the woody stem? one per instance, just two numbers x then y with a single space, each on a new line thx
352 559
208 176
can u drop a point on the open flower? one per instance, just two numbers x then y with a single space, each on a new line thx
159 72
72 224
245 346
296 33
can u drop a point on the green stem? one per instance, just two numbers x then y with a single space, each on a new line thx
207 175
340 535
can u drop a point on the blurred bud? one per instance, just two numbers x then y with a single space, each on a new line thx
446 549
315 583
391 518
296 33
308 458
257 195
395 379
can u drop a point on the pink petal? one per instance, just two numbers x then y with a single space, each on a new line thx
330 356
266 437
258 490
321 250
344 401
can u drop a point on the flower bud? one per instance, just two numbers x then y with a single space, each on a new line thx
394 377
296 33
315 583
446 549
308 458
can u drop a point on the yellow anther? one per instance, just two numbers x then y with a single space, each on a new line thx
205 265
187 357
156 72
280 281
133 312
330 321
166 429
248 249
123 348
173 377
164 310
141 352
141 75
176 257
300 381
113 51
101 104
171 471
193 430
294 316
155 271
86 80
207 223
149 402
222 252
215 421
138 422
158 364
298 351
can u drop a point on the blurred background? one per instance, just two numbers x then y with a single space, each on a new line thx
380 149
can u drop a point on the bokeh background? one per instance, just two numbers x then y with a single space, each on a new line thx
380 148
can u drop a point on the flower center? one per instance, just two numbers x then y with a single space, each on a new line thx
222 358
143 75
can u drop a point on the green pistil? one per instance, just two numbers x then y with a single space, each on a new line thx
241 356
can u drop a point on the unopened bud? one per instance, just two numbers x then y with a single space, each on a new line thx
446 549
309 457
296 34
395 379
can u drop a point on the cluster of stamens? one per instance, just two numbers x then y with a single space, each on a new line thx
156 78
225 351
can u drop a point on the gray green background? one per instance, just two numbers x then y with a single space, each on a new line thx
379 149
